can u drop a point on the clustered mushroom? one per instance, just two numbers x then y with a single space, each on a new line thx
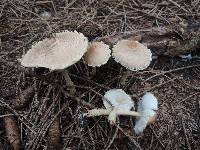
117 103
66 48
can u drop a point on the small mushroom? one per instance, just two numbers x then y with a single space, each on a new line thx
147 107
132 55
97 54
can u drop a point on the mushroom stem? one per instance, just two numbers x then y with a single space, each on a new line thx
93 71
101 112
124 78
128 113
69 82
98 112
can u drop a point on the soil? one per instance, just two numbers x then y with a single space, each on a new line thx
173 80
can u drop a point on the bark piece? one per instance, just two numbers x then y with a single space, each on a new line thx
54 135
12 132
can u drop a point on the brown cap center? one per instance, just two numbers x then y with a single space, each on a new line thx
132 44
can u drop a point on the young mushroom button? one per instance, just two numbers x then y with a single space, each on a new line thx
97 54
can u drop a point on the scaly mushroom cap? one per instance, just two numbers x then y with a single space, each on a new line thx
132 55
97 54
59 52
118 99
147 107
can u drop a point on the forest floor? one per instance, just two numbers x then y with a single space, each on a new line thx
173 80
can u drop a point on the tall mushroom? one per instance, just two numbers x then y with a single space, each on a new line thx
57 53
132 55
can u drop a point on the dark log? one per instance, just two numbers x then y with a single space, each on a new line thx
170 41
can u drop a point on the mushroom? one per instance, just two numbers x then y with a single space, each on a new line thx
97 54
147 107
57 53
117 102
132 55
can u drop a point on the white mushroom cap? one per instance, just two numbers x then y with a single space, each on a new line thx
146 107
149 101
132 55
97 54
119 100
59 52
